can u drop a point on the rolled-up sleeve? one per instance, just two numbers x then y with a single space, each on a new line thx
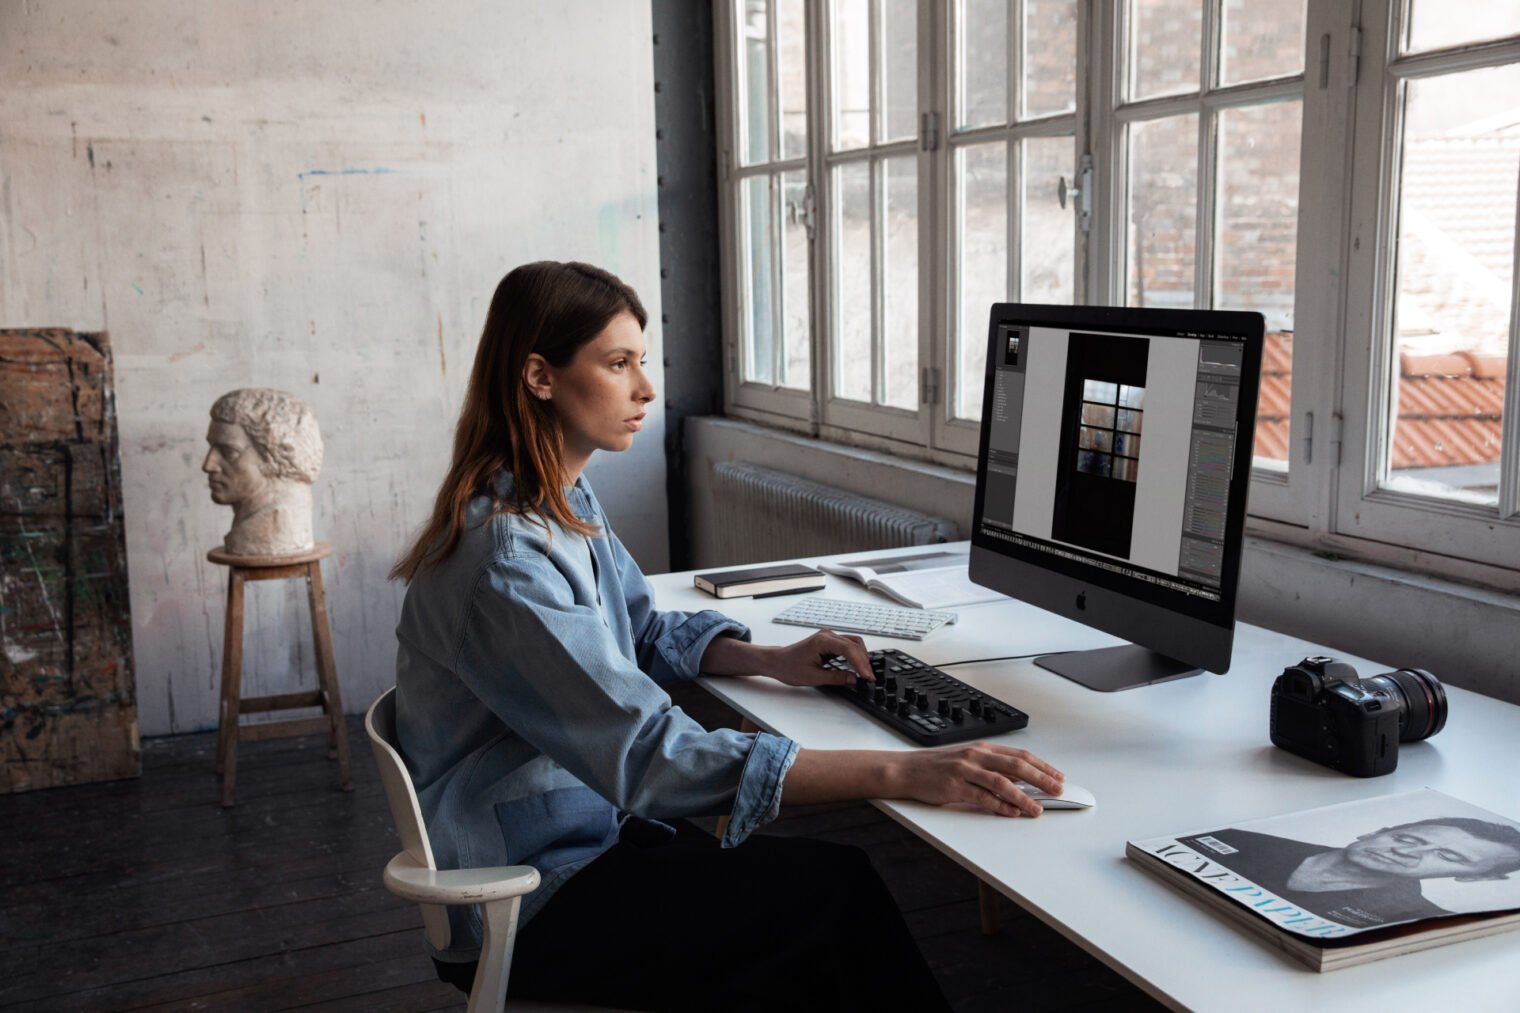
550 669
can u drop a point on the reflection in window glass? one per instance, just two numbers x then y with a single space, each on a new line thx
1132 397
1050 57
1455 207
1127 444
1437 24
899 70
851 64
900 284
1262 39
1163 203
756 86
758 253
1126 469
1164 47
981 197
1129 421
981 62
852 274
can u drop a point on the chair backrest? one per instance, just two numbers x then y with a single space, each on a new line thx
380 725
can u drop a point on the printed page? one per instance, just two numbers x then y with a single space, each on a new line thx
1337 871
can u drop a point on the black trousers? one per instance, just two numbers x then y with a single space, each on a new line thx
777 923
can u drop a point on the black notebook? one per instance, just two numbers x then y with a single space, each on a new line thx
759 580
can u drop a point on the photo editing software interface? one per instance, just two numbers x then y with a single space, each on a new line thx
1115 449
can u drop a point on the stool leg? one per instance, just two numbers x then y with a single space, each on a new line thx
232 686
327 669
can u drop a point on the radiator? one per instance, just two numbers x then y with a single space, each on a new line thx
766 514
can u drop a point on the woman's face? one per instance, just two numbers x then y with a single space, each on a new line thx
601 394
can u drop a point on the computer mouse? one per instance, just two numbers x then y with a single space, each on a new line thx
1073 796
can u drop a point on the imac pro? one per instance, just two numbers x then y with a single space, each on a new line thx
1112 476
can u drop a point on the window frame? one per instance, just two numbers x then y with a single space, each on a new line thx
1359 509
1325 498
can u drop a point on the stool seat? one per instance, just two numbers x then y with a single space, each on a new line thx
241 569
222 557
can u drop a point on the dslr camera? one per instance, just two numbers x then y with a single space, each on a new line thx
1323 711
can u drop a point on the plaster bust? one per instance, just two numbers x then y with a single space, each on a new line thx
265 453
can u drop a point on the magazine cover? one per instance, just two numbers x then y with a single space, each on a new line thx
1329 874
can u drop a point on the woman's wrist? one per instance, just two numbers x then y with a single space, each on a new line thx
728 655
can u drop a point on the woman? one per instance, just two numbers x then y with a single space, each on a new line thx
530 711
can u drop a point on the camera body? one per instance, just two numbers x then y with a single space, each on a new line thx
1323 711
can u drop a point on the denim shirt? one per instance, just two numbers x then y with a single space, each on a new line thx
530 712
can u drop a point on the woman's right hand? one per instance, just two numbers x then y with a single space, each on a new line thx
980 773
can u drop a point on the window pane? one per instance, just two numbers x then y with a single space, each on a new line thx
796 362
1129 421
981 68
1094 463
981 190
1047 237
760 320
900 265
1050 57
851 31
899 70
1255 247
1127 444
791 25
1262 39
1456 242
756 86
1163 202
1098 415
1164 47
1435 24
1095 439
1132 397
852 274
1100 391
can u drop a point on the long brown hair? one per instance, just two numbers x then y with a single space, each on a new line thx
550 308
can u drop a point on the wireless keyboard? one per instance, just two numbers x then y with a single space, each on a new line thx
925 704
865 617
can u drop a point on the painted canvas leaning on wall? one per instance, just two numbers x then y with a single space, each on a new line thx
68 705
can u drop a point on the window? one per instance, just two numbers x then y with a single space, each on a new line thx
891 168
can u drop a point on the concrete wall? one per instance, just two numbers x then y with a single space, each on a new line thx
1466 636
318 197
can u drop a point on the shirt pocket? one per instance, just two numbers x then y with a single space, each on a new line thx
556 827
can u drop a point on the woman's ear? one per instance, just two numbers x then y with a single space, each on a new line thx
537 377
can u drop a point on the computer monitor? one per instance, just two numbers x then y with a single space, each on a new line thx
1111 482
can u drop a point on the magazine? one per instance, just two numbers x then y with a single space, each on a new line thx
927 580
1353 882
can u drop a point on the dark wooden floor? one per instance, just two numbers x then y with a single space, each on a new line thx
146 894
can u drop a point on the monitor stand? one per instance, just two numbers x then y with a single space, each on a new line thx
1107 669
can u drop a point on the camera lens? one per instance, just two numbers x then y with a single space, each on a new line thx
1418 697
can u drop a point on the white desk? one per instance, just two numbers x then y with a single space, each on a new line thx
1170 758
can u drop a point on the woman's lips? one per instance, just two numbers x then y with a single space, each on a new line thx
635 424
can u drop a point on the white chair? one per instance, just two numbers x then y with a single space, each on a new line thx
413 876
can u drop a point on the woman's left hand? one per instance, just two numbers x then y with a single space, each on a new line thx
801 664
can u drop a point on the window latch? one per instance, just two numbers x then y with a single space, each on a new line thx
928 131
929 385
1080 192
804 211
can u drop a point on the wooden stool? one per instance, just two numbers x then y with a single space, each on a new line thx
229 731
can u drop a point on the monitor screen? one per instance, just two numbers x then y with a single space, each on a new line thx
1114 464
